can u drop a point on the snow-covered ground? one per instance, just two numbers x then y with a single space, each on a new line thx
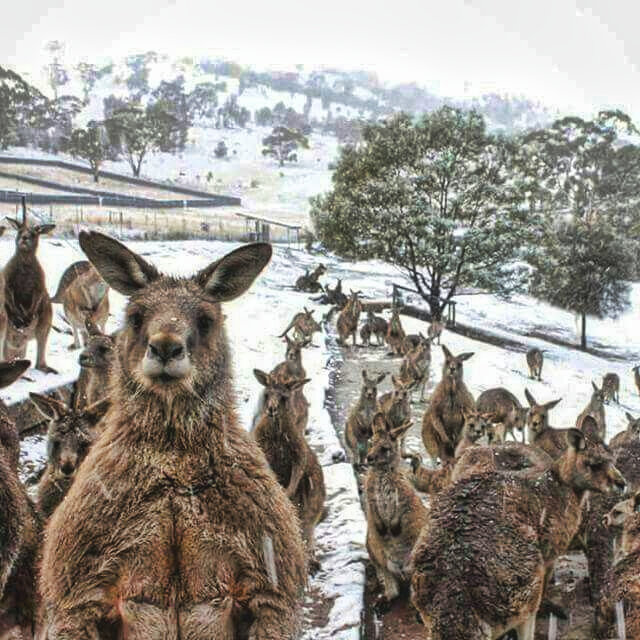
255 320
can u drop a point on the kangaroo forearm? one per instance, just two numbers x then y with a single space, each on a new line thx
76 625
274 623
296 476
438 427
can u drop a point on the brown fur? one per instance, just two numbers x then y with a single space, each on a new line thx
376 326
96 361
395 513
506 410
443 420
347 323
358 428
631 433
309 282
20 528
333 296
539 432
611 388
174 526
70 435
303 325
481 561
84 295
288 371
416 363
25 307
592 419
396 407
623 579
290 457
535 360
395 333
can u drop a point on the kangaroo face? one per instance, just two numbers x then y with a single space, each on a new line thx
593 467
277 394
453 364
369 389
634 425
476 425
538 414
98 353
622 511
27 237
383 447
173 343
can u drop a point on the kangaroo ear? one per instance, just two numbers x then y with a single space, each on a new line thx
549 405
296 384
381 377
379 423
630 418
96 411
11 371
365 376
636 502
595 386
576 439
120 267
50 408
530 399
262 377
447 353
14 223
233 274
2 229
465 356
43 229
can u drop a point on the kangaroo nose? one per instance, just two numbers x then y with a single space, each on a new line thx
68 468
165 347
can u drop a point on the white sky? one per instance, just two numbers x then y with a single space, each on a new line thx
579 54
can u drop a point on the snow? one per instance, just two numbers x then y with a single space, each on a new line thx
253 324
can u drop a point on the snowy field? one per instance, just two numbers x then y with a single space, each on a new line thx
253 324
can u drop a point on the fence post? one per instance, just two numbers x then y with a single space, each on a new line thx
121 223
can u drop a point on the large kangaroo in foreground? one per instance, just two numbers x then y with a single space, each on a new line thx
175 527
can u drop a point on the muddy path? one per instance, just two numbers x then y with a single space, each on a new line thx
569 587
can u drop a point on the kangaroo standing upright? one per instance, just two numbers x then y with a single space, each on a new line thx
174 527
443 420
535 359
25 307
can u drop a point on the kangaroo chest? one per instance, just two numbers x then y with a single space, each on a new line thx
180 576
386 501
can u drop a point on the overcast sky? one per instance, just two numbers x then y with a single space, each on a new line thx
582 54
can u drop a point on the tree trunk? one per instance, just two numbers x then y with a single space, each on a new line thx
583 333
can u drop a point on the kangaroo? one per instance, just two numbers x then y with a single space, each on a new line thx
303 325
511 457
291 458
174 527
506 410
292 369
636 377
358 428
415 366
347 323
396 407
20 527
395 333
611 388
395 513
70 434
475 575
84 295
443 420
539 432
95 361
333 296
435 330
535 360
25 307
632 432
622 585
309 281
375 325
592 419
